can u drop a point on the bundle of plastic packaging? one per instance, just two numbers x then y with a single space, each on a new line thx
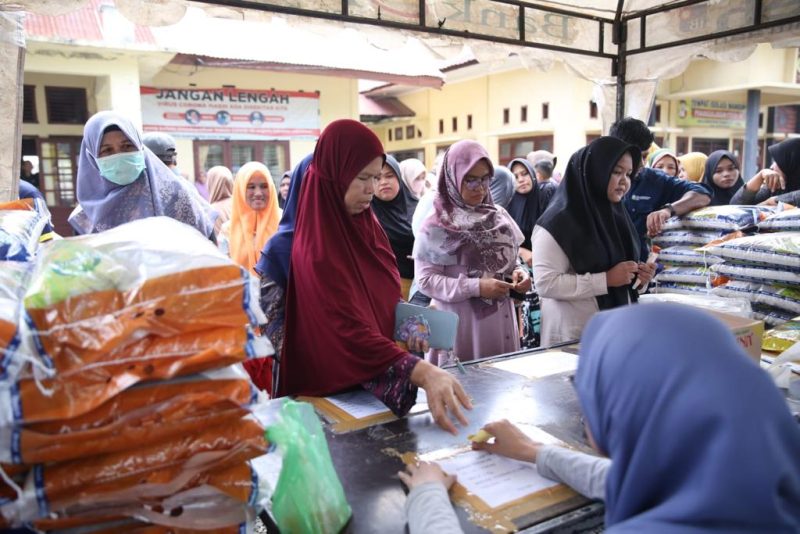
21 225
125 400
782 221
723 218
733 306
765 269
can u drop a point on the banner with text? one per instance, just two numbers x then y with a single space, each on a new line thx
710 113
230 113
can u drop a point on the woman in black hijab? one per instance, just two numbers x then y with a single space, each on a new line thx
722 176
394 205
779 183
529 201
586 245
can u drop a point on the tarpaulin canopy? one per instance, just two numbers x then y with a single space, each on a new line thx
623 46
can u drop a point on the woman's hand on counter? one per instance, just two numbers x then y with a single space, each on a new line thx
509 441
446 397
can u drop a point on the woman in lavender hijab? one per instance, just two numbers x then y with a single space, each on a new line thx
121 180
466 255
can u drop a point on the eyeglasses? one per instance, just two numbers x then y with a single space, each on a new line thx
475 183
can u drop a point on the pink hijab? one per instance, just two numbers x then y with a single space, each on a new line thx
483 237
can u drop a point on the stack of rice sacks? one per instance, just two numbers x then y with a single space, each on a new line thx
21 225
688 268
125 400
764 268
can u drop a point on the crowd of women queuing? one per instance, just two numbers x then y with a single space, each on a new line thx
348 233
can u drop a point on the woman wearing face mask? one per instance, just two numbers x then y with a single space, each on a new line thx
779 183
344 287
586 246
466 256
722 177
121 180
254 216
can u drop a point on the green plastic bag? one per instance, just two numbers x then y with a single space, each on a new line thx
308 498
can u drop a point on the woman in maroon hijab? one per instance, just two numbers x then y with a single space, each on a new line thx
344 287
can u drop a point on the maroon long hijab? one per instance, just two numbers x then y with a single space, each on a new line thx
343 282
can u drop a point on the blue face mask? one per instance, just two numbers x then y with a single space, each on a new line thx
122 169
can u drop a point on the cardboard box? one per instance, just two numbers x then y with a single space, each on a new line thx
748 332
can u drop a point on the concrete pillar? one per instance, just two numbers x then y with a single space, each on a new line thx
750 156
12 60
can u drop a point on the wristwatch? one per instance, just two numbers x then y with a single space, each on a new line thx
670 208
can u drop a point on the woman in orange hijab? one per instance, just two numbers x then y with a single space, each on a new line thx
255 214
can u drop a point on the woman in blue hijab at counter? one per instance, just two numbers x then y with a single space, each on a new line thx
121 180
699 437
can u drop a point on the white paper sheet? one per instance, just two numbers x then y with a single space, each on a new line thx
496 480
361 403
539 365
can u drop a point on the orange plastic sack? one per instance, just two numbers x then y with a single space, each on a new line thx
233 494
225 341
146 414
190 301
152 471
19 204
69 479
79 393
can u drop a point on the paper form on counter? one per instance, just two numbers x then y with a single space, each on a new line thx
539 365
360 403
494 479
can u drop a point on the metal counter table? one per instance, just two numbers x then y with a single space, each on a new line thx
367 460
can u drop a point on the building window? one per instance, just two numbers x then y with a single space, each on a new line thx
682 145
455 124
523 114
592 110
234 154
469 122
506 115
58 168
66 105
441 126
29 104
658 113
522 146
545 111
398 133
390 134
410 131
708 145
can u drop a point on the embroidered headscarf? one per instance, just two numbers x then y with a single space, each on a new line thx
250 229
483 237
104 204
699 437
